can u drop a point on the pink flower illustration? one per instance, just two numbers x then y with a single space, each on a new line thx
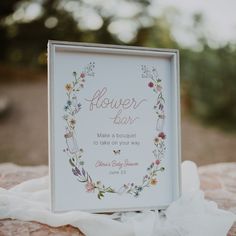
89 187
157 162
82 75
150 84
159 88
162 135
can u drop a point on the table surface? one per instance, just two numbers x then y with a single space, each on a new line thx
218 181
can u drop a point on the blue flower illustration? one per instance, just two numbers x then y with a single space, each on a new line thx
66 107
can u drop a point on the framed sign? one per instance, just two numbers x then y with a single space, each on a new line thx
114 134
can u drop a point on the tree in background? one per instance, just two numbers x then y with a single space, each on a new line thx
210 78
208 75
209 81
27 26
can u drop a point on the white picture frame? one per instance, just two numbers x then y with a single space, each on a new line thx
114 127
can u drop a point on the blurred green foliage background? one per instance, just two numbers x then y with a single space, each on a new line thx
208 75
208 71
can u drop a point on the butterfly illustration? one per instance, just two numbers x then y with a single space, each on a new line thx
116 152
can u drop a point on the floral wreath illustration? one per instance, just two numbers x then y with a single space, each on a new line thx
75 153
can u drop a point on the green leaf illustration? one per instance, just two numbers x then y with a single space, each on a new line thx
71 163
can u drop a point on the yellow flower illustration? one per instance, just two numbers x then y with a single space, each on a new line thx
153 181
72 122
156 140
68 87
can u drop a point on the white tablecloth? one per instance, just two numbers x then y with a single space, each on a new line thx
190 215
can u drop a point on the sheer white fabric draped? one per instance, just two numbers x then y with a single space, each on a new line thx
191 215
